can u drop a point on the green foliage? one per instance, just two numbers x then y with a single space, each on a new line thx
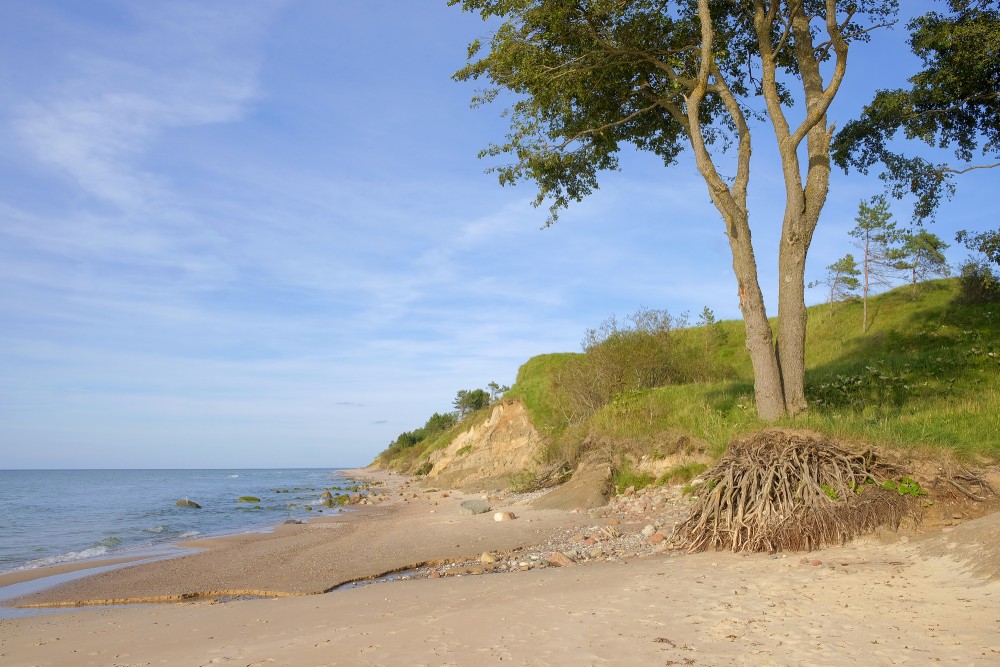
978 284
423 469
462 451
841 279
524 481
624 476
468 401
871 385
682 474
923 257
904 486
620 358
986 244
952 102
830 492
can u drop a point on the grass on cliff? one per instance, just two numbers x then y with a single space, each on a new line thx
925 375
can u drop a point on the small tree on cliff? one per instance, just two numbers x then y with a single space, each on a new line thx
663 76
468 401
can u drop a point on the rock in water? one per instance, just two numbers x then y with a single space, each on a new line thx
470 507
188 503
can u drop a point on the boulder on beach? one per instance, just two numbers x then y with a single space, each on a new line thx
475 506
184 502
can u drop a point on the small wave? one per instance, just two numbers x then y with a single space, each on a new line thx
189 533
233 476
65 558
110 542
156 529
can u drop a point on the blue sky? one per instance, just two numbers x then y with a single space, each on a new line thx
256 234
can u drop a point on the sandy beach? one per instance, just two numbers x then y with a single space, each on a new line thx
932 597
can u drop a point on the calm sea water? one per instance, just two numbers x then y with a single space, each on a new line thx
57 516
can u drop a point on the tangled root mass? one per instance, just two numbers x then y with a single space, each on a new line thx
791 490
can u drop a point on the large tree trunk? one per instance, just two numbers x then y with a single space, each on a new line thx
792 316
768 391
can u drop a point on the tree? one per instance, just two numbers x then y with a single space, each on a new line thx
664 76
876 236
923 256
986 244
496 391
952 103
977 282
468 401
712 331
841 279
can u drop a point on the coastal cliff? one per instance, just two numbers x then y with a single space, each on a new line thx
486 455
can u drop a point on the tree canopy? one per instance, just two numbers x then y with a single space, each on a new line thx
952 103
590 77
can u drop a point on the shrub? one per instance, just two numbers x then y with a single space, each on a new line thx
978 284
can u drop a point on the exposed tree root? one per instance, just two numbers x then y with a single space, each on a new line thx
791 490
966 482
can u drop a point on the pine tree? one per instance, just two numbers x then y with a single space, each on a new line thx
841 279
924 256
877 237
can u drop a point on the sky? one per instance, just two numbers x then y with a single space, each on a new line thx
257 234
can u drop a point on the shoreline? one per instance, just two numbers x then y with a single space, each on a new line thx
151 552
913 598
305 559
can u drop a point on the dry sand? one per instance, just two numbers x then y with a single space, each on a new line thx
926 601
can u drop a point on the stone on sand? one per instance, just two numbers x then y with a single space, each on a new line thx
475 506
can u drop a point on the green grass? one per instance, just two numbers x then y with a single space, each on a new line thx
624 476
926 374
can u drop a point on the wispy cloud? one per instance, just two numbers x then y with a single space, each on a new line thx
186 64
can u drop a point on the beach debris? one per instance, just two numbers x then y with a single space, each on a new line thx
184 502
294 521
472 507
504 516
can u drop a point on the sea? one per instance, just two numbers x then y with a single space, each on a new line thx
50 517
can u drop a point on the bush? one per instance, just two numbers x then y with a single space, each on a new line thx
978 284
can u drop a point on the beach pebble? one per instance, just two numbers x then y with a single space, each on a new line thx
471 507
648 531
657 538
487 558
559 559
504 516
